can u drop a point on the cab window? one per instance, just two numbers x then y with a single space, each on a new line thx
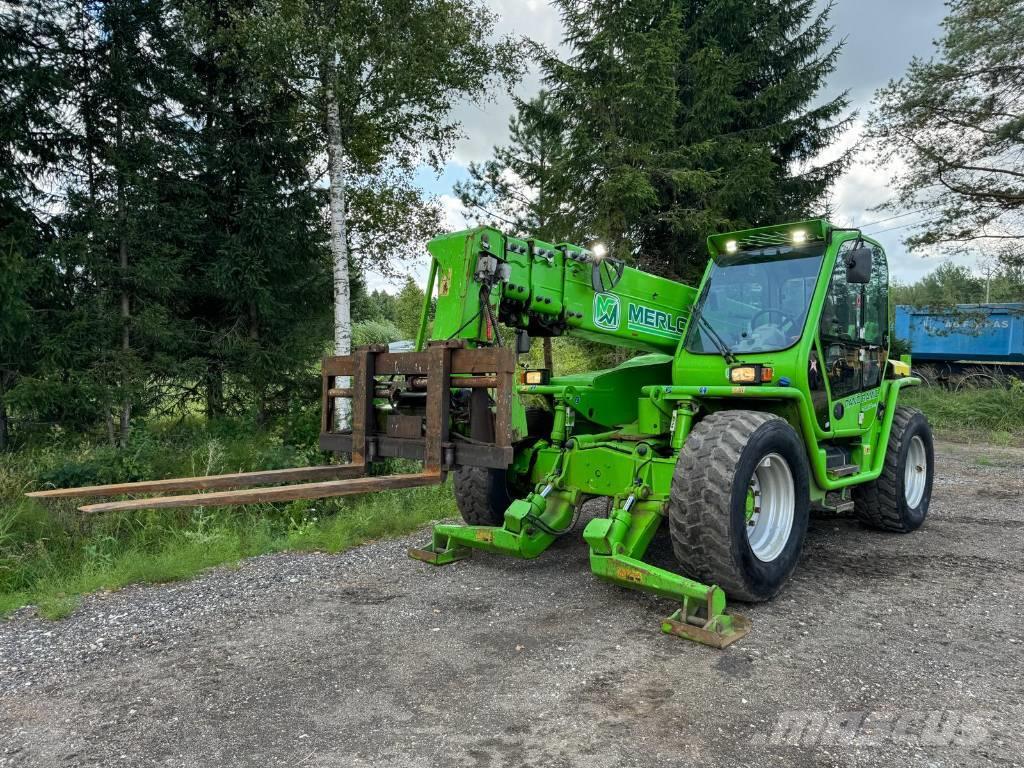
853 327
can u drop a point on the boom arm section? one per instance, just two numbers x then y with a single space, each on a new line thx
484 277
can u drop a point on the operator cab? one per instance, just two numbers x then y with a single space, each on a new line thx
759 295
757 300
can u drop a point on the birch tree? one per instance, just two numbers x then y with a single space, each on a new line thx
382 77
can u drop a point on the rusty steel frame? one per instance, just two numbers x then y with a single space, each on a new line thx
267 495
441 367
205 482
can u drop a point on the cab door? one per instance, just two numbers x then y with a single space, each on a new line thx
851 348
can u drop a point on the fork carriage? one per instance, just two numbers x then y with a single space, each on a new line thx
401 408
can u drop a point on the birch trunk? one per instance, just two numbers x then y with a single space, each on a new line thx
339 250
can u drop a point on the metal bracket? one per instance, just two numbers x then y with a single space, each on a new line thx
721 631
434 556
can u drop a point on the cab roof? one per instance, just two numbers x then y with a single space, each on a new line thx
795 232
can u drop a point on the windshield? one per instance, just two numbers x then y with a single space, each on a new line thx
756 301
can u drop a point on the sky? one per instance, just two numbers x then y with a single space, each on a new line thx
881 37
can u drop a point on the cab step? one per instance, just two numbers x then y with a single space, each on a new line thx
844 470
836 503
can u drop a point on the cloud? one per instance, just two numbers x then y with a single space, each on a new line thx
879 37
486 126
452 212
867 185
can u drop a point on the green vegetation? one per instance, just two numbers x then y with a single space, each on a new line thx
950 284
165 250
994 414
50 554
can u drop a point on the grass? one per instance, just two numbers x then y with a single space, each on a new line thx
50 555
989 414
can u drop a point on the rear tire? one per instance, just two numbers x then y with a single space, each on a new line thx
482 495
898 500
739 503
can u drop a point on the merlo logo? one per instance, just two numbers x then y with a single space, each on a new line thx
606 311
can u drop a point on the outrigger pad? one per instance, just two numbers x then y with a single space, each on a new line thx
439 556
711 633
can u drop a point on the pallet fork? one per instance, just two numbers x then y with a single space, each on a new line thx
423 435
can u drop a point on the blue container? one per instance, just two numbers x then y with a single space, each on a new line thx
990 333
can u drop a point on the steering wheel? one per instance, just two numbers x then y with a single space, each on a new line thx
837 368
782 315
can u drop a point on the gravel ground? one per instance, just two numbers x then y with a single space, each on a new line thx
883 650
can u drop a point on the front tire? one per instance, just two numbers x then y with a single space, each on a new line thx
739 503
898 499
482 495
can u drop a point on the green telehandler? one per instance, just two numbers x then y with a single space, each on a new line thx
765 391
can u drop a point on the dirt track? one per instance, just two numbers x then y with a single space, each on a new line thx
883 650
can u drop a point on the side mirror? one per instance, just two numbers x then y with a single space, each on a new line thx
522 342
858 266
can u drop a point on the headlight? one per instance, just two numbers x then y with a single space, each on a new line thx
750 374
538 376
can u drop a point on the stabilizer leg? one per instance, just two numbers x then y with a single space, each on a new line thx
616 544
531 525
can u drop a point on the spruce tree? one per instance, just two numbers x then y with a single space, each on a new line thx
31 140
257 294
115 244
688 117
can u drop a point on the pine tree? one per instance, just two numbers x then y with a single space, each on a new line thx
512 190
686 117
955 125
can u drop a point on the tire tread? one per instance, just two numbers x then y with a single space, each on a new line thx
474 495
701 496
877 504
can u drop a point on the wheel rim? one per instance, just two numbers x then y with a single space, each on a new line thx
915 475
770 507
